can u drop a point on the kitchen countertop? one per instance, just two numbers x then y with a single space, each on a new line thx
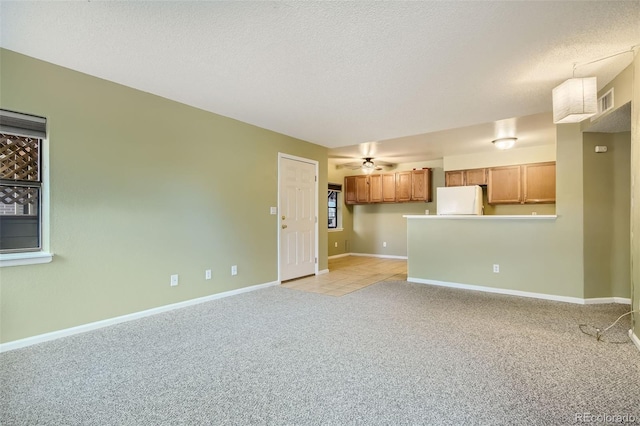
484 217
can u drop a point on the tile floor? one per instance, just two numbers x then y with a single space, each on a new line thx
351 273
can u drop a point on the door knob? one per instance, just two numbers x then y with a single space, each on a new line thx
283 218
284 226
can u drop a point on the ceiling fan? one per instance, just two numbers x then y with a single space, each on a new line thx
368 165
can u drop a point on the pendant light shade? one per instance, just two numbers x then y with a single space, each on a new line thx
575 100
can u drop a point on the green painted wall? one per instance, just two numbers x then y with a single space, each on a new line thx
542 256
374 224
141 188
339 242
635 193
606 215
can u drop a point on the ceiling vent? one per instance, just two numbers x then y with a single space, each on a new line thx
605 103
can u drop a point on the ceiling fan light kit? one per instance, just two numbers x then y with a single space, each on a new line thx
504 143
368 166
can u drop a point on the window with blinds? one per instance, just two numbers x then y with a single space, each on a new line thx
21 138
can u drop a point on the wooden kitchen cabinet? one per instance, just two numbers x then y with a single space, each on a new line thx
454 178
465 177
403 186
525 184
350 190
382 188
421 185
476 177
375 188
356 189
389 187
539 182
504 185
362 189
414 185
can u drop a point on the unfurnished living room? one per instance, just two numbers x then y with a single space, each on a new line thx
319 213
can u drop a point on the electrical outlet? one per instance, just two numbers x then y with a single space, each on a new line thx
174 280
496 268
207 274
384 244
335 244
234 270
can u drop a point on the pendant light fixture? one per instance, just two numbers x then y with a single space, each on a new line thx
575 100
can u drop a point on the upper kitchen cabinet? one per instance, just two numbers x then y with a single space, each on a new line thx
505 185
398 187
465 177
539 181
421 185
350 190
525 184
403 186
389 187
356 189
375 188
454 178
362 189
476 177
382 188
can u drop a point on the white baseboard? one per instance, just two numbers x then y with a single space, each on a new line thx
520 293
324 271
604 300
337 256
634 339
382 256
17 344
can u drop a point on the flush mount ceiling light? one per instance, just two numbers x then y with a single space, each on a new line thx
575 100
504 143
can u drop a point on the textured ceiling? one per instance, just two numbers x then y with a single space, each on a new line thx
335 73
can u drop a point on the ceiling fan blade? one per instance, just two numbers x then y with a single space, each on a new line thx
368 149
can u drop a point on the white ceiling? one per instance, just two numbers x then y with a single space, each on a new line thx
340 73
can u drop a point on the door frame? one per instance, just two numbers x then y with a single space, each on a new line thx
282 155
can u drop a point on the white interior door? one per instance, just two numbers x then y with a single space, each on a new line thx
297 218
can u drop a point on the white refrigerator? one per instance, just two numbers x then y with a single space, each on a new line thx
459 200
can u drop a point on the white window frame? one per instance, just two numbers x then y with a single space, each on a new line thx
338 210
42 255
